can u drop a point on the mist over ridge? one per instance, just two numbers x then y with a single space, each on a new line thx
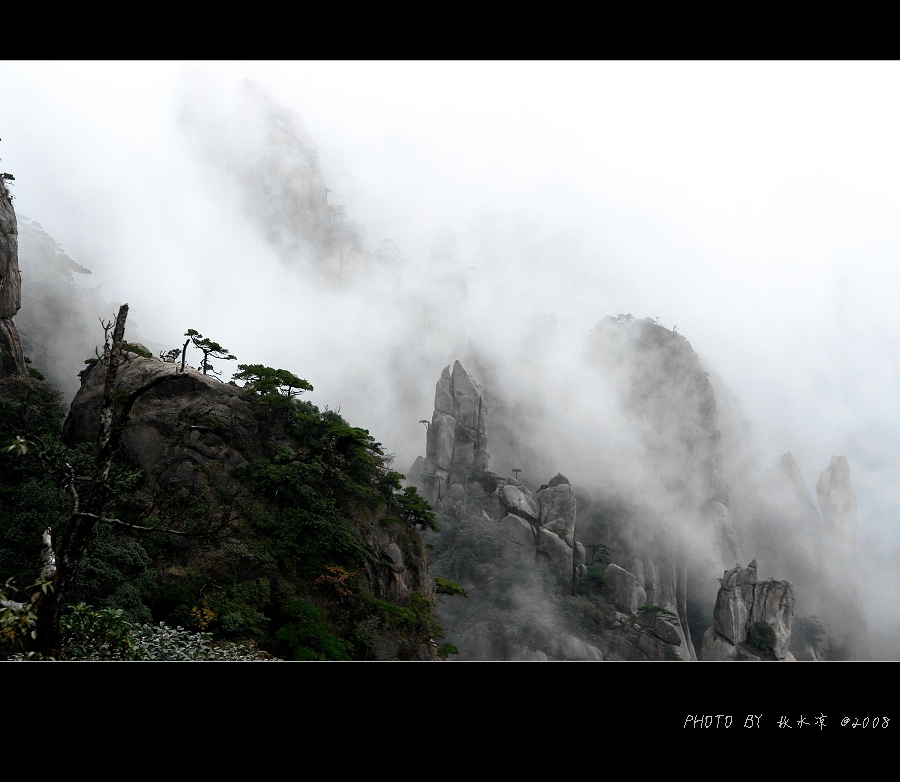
797 323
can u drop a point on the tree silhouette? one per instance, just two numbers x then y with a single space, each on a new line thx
208 348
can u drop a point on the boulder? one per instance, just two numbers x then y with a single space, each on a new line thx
516 500
627 590
557 509
555 549
518 539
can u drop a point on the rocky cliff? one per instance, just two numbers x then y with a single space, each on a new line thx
672 527
517 550
12 361
658 538
288 505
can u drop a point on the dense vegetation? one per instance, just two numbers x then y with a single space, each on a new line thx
293 572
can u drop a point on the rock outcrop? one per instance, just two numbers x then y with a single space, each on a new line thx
189 428
816 550
518 552
679 495
456 444
542 530
197 439
742 602
668 518
12 360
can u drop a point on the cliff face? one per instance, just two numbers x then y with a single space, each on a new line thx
12 361
648 588
673 528
521 554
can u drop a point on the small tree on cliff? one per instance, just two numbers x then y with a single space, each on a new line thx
266 381
415 509
209 349
273 387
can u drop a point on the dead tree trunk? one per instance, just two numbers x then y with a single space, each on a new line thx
87 505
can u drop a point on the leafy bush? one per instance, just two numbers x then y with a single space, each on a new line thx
133 347
594 579
17 622
761 640
89 634
308 637
444 586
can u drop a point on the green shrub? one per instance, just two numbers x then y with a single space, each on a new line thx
761 640
308 637
444 586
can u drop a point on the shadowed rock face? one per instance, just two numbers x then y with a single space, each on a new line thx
197 434
12 361
190 427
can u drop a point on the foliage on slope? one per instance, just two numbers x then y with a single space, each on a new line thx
299 569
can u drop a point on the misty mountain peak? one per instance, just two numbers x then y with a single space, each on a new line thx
246 138
837 499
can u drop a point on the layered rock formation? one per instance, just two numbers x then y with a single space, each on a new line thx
12 361
742 602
